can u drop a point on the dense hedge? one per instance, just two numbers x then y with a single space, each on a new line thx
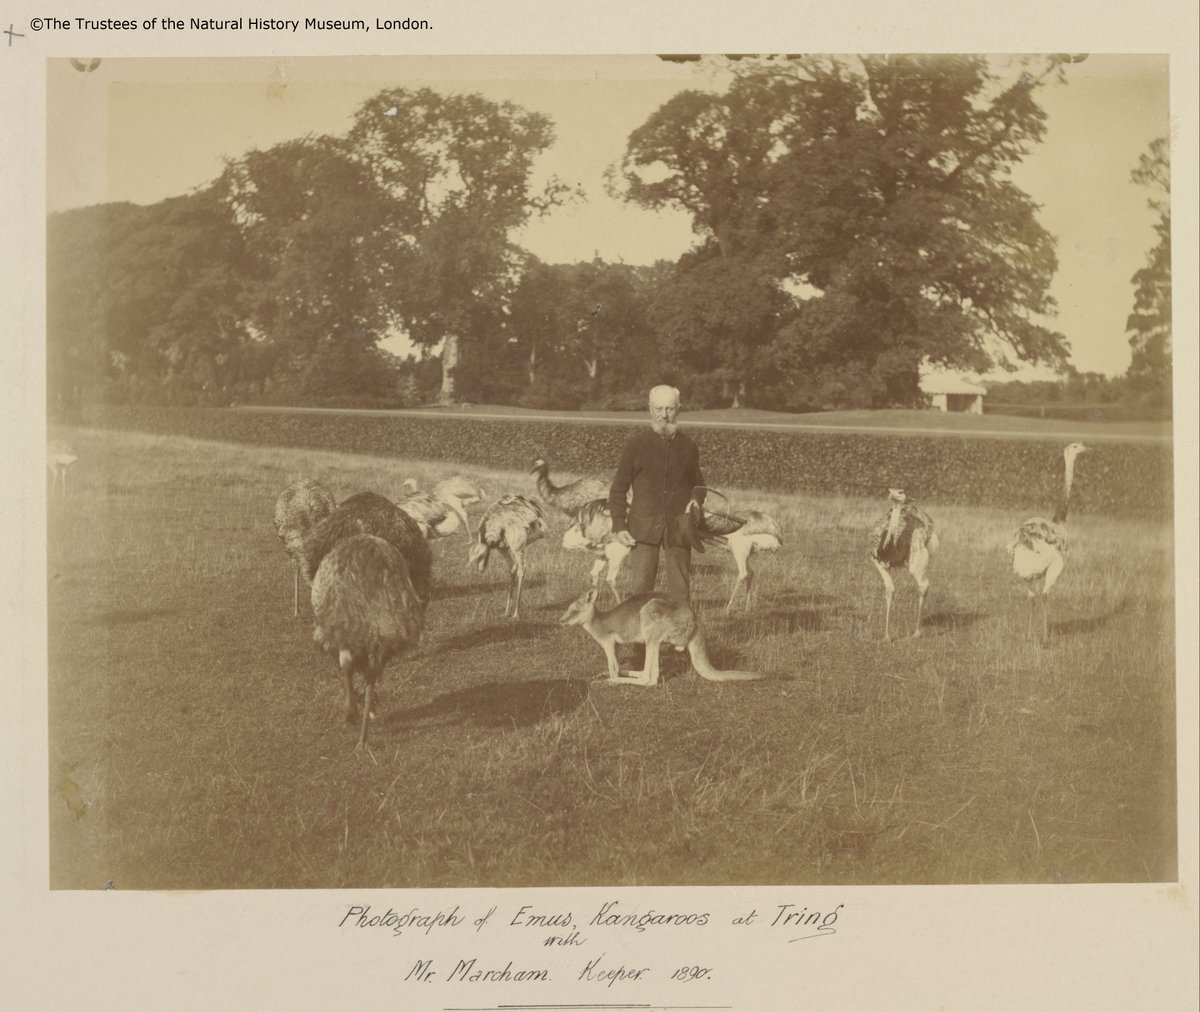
1122 477
1117 412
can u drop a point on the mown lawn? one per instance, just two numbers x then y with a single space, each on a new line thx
196 738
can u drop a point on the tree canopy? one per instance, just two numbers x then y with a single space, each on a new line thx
573 334
876 190
457 171
318 243
854 218
146 299
1149 325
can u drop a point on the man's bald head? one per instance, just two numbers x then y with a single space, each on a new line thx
663 395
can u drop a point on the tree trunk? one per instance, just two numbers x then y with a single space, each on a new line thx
449 363
738 393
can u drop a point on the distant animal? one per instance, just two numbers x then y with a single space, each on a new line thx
591 531
297 510
460 492
59 458
571 497
366 611
509 525
903 538
371 513
652 619
760 533
435 517
455 493
1038 548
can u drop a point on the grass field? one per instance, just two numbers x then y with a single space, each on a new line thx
196 736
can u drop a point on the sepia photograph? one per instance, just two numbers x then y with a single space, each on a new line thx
645 470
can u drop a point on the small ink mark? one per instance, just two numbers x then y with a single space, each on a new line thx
12 35
820 934
85 66
109 885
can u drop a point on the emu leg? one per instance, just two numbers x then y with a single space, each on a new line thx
889 592
366 716
519 572
922 590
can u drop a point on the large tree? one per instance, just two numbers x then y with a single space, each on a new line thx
1149 325
80 244
583 323
320 246
876 191
715 316
183 283
147 299
457 170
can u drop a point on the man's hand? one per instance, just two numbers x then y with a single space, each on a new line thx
626 539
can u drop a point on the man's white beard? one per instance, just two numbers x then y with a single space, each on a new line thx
664 429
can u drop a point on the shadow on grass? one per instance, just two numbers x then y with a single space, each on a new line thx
794 599
483 588
1078 626
773 603
499 704
776 622
505 631
951 620
128 616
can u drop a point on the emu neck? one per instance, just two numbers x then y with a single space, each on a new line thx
1060 514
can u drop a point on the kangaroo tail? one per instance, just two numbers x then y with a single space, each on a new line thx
702 664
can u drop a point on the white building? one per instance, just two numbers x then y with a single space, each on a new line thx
949 391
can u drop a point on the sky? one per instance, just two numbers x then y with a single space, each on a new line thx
143 130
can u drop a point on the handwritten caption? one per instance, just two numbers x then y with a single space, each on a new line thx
51 23
555 932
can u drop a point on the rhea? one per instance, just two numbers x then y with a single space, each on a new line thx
1038 548
572 496
509 525
903 538
591 530
59 458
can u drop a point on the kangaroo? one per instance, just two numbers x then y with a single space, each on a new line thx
651 619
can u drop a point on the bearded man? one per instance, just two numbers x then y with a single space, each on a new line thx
662 467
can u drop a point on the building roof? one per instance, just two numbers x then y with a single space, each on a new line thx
949 383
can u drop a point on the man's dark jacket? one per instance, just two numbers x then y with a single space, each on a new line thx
662 474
